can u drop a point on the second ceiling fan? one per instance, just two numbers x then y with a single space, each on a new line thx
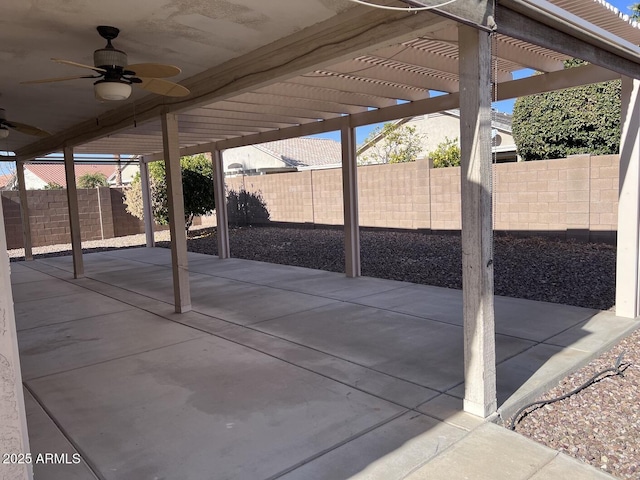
115 76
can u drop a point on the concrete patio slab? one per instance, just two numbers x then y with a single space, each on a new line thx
65 308
391 451
339 287
415 349
600 331
29 291
382 385
24 275
491 452
327 388
536 320
448 409
563 467
517 317
249 304
207 408
259 273
143 254
45 437
71 345
93 263
435 303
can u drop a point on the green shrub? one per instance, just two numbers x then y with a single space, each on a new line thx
446 154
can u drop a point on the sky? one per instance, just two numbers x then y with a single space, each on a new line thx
503 106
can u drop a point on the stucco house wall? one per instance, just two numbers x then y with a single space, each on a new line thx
250 158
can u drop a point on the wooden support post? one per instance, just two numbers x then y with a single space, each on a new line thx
350 200
74 213
146 204
24 212
477 231
13 419
628 256
181 291
222 218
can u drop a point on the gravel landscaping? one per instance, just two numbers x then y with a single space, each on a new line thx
600 425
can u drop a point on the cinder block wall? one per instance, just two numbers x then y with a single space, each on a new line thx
12 219
575 197
102 215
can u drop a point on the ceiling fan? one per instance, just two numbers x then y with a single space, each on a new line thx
6 125
115 77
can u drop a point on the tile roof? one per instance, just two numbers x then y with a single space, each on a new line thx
305 151
54 173
5 179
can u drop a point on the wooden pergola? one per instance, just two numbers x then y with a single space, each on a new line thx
350 70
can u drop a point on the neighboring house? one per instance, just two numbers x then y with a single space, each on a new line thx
438 127
289 155
5 180
128 173
38 176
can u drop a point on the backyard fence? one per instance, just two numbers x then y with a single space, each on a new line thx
575 197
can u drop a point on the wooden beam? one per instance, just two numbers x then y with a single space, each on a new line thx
350 200
179 262
74 213
573 42
549 82
222 219
572 77
477 226
343 36
628 251
470 12
24 212
14 437
149 230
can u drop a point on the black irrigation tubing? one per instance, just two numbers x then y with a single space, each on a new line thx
617 369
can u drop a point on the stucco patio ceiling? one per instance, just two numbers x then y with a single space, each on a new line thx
262 70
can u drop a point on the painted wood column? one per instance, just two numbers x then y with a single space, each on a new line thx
74 213
222 217
350 200
628 256
13 418
477 228
146 203
24 212
179 263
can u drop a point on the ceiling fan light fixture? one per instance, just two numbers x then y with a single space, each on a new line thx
4 132
114 91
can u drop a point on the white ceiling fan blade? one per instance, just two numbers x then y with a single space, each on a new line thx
81 65
58 79
27 129
163 87
153 70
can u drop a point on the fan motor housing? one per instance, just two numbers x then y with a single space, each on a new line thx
109 57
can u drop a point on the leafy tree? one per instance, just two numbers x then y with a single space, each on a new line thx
53 186
92 180
197 185
446 154
635 9
573 121
392 144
